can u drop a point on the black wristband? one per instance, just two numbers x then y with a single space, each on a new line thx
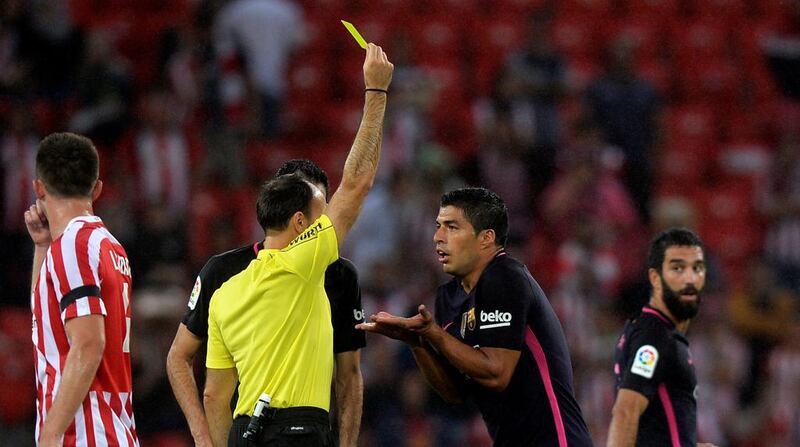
385 92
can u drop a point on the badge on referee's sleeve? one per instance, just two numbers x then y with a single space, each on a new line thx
644 362
195 294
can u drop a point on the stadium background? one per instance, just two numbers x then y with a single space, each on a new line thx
598 121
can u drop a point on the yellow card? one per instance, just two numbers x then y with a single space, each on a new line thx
356 35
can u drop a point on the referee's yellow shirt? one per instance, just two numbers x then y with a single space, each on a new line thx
272 322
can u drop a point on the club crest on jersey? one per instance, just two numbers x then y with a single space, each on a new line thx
195 293
467 321
644 362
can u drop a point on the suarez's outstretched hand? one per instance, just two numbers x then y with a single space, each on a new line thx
407 330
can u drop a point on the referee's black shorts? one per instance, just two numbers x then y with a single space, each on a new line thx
295 427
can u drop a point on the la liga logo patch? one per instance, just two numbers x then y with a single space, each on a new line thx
645 361
195 293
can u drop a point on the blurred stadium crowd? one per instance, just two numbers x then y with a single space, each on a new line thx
598 121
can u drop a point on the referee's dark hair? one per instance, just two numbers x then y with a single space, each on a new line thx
280 198
68 165
673 237
308 170
483 209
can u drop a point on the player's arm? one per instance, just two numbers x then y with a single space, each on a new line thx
349 394
430 363
435 372
39 230
220 385
644 370
625 418
490 367
181 377
87 342
362 161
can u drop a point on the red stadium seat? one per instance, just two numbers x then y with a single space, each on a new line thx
574 36
449 79
310 78
659 9
645 32
501 36
465 8
581 72
690 125
730 10
657 73
519 8
18 393
699 40
715 81
348 74
728 222
436 38
594 8
771 9
682 169
453 127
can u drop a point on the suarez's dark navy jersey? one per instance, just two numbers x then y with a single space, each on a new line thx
507 309
341 285
652 358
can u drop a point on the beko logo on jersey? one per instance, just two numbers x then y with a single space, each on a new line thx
358 314
495 319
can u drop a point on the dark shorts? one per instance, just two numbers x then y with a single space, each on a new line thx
299 426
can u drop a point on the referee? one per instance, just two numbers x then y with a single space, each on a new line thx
654 369
269 327
344 294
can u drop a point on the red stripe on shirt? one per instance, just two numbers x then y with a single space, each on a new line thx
88 422
108 421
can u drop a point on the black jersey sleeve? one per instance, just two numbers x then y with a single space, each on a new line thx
344 293
217 271
196 316
502 302
648 358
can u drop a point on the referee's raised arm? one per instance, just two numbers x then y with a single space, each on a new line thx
362 161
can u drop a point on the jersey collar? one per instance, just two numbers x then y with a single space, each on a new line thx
84 219
258 246
660 315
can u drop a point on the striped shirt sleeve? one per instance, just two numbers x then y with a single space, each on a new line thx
74 263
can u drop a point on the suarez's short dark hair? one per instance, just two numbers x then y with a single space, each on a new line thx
483 209
673 237
68 164
280 198
308 170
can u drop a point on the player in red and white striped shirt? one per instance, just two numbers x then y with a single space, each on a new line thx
80 302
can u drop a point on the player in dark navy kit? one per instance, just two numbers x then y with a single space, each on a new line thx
655 377
495 337
341 286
